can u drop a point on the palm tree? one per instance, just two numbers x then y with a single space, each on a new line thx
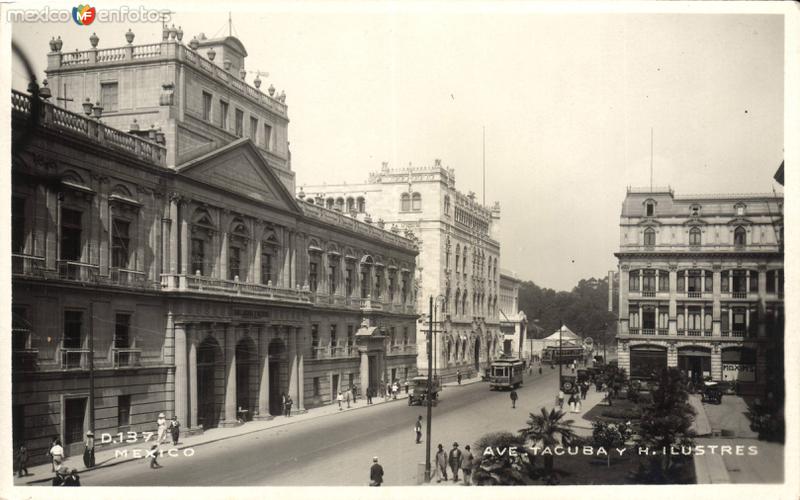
547 430
502 470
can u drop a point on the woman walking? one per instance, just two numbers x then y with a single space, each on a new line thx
88 450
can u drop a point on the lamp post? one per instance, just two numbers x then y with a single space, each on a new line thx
560 359
428 398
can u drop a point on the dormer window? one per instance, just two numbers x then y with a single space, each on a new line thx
739 209
694 210
649 208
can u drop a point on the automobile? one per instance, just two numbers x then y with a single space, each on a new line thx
418 390
712 394
583 375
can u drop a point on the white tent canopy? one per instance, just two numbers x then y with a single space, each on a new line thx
566 334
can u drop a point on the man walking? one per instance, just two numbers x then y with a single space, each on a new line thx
369 395
347 397
418 429
458 376
354 390
175 430
22 460
466 465
288 406
339 399
513 398
375 473
441 463
455 461
560 399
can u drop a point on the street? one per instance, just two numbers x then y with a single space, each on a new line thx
337 450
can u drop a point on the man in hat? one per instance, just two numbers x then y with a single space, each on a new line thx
375 473
441 463
467 463
454 459
155 450
88 450
418 429
175 429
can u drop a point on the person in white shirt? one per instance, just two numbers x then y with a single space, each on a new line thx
56 453
339 400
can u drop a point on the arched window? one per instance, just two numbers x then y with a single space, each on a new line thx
458 256
416 201
237 250
340 204
649 237
329 203
694 236
351 205
464 303
649 208
362 205
405 202
464 262
740 236
201 246
458 300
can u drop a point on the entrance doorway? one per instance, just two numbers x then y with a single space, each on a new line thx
334 387
647 361
373 373
210 383
695 363
275 367
74 424
477 360
246 378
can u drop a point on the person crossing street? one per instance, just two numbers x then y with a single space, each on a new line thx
375 473
513 398
418 429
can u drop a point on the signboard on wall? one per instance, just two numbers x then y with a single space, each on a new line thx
738 372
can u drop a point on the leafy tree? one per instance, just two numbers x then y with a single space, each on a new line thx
610 436
667 421
510 468
547 430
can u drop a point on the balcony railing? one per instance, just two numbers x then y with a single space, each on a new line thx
371 304
693 333
127 277
694 295
706 333
648 331
28 265
663 331
77 271
739 295
725 333
127 358
52 116
204 284
74 359
24 360
648 293
738 333
634 331
334 352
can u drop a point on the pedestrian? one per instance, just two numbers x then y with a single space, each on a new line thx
395 388
72 479
458 376
56 453
467 464
405 384
540 369
454 458
441 464
388 393
339 400
572 403
418 429
161 436
22 460
375 473
354 390
283 403
347 397
175 429
513 398
88 450
577 404
560 399
289 406
61 475
369 395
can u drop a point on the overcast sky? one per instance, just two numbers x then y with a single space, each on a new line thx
568 100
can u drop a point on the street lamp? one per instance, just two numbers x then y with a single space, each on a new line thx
560 359
428 397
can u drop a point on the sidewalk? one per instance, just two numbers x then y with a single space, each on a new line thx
109 457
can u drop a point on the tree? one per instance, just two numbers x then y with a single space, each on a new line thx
667 421
500 466
609 436
547 430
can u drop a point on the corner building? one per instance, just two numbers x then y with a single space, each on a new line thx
701 286
186 280
458 262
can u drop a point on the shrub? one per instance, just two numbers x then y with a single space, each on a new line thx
622 413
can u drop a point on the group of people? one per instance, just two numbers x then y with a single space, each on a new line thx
348 394
456 460
164 428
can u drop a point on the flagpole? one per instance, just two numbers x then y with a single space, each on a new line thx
484 165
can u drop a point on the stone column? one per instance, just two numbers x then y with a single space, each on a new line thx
223 257
165 244
184 215
181 379
301 407
762 303
256 274
716 362
230 377
263 386
716 310
173 235
364 370
672 355
673 303
623 300
191 421
292 361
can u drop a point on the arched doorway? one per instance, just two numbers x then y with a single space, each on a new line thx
476 361
695 362
210 383
247 377
647 360
277 375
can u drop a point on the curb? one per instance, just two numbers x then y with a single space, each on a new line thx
210 441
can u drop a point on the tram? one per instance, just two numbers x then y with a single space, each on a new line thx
506 373
563 355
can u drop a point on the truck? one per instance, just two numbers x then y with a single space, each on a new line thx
418 392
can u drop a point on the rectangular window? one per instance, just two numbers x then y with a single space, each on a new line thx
392 278
109 96
267 137
350 331
365 283
312 276
71 228
123 411
378 287
334 341
633 281
392 335
349 279
649 281
663 281
73 326
122 329
740 281
771 281
709 282
223 114
649 318
663 320
695 281
724 320
754 281
405 335
17 225
253 129
314 339
404 289
316 386
332 271
198 255
239 122
234 263
120 243
724 282
206 106
695 319
681 281
739 321
266 267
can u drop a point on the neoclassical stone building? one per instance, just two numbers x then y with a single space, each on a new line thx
185 283
701 285
458 261
513 321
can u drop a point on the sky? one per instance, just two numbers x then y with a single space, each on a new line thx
567 98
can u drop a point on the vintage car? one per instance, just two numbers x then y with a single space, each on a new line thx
712 393
418 390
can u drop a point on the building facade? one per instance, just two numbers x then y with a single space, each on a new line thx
513 321
458 262
202 289
701 285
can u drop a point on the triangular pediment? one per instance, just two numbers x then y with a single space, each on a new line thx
239 168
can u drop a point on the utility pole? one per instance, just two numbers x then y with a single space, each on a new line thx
560 359
91 366
428 398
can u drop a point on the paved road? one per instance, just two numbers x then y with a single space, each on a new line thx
337 450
